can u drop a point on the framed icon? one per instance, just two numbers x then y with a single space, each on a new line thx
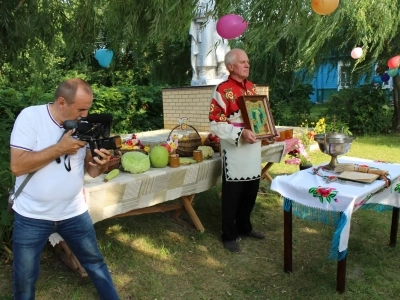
257 116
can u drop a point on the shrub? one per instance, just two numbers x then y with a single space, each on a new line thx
364 109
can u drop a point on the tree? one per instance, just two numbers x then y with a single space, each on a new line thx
282 36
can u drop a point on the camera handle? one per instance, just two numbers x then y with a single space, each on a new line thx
58 159
93 145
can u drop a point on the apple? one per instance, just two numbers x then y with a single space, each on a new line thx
213 138
166 146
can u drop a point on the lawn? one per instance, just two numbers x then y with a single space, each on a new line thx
157 257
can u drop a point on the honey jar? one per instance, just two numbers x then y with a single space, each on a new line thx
198 155
174 160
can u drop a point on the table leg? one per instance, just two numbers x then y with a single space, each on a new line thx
394 227
66 255
264 172
341 275
287 240
187 202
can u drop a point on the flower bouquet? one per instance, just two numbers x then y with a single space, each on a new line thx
299 156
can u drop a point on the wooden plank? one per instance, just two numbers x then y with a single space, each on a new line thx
264 172
187 202
394 227
151 209
341 275
66 255
287 240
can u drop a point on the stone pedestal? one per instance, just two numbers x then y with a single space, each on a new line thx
192 102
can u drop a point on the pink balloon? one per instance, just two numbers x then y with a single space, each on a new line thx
356 52
231 26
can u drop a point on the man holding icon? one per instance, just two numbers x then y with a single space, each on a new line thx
241 152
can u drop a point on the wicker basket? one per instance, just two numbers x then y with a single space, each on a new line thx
215 146
114 163
186 146
267 142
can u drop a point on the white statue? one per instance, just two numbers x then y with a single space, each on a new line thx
208 48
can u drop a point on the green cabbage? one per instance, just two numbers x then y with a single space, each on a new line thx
208 152
135 162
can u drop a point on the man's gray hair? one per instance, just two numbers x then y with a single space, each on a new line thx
230 57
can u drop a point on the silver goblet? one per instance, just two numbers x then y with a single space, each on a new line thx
334 144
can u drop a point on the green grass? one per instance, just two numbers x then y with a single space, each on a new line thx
156 257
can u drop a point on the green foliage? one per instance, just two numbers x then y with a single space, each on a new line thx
134 108
9 108
363 110
290 105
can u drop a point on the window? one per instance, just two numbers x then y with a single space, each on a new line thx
344 76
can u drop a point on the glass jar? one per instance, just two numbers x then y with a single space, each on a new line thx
198 155
174 160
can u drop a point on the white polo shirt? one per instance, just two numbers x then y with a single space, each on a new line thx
52 193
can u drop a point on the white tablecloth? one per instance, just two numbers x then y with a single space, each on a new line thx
315 192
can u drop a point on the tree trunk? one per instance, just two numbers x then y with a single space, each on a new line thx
396 103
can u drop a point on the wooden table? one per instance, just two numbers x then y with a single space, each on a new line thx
134 194
316 191
289 145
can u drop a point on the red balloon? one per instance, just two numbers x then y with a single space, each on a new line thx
394 62
231 26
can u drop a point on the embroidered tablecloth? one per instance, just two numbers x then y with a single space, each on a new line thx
314 191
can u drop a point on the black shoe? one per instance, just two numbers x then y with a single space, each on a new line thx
256 234
232 245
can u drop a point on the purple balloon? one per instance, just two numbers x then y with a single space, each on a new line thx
231 26
385 77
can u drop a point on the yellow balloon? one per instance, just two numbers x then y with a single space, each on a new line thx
324 7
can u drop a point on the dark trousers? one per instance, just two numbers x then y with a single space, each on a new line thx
238 199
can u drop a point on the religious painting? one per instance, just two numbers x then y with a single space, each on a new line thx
257 116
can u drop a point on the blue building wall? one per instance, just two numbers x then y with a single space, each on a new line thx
328 80
324 83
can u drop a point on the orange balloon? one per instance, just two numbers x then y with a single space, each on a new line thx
324 7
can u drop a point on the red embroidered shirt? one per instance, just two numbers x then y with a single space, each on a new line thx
229 91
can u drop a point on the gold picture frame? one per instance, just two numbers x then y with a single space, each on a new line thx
257 116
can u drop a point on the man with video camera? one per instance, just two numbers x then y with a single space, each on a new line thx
53 198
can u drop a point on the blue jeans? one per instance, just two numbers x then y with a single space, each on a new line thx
31 235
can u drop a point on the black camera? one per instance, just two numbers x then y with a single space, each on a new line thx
95 130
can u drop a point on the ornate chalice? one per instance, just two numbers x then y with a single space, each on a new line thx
334 144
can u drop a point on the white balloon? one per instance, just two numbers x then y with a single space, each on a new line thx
356 52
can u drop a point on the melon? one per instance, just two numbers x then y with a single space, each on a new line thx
158 156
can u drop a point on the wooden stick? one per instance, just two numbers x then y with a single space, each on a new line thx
350 167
